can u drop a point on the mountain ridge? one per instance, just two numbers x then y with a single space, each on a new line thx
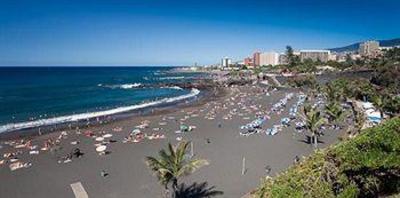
354 47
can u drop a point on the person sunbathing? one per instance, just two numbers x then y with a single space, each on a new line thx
77 153
66 159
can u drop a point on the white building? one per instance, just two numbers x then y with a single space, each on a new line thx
269 58
369 48
355 56
332 57
296 53
225 62
315 55
382 48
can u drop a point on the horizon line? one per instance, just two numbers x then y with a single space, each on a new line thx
4 66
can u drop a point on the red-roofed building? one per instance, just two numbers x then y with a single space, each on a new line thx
248 61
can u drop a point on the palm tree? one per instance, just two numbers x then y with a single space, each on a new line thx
314 121
340 89
349 61
293 60
380 103
335 113
392 105
289 55
332 93
359 120
364 90
172 164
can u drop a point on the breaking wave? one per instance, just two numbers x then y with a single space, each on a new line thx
84 116
130 86
173 87
123 86
172 78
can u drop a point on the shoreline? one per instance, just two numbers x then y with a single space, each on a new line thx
205 95
217 119
129 175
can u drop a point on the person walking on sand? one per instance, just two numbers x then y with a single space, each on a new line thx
296 159
103 173
268 169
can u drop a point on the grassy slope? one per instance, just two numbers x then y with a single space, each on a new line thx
366 166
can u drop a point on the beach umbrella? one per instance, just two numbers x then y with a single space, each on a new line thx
101 148
99 139
135 131
107 135
184 127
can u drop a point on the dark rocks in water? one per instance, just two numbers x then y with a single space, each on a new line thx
203 84
199 84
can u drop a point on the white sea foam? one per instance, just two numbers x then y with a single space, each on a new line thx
173 87
171 78
130 86
84 116
123 86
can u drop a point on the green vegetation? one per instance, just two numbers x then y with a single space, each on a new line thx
173 164
292 59
366 166
335 113
388 76
303 81
314 120
362 89
258 70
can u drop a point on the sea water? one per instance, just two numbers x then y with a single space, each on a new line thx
36 96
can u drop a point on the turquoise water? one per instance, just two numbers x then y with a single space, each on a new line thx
28 93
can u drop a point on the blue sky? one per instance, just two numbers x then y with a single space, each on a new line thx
155 32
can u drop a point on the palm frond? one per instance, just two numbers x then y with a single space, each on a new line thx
172 164
165 157
160 169
171 151
192 166
180 151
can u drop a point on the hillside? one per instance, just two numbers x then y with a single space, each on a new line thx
355 46
366 166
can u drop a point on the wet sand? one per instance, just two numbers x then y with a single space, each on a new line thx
128 174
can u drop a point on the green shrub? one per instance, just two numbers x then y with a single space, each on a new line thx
349 191
300 81
366 166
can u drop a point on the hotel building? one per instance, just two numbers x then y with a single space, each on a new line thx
269 58
256 58
369 49
248 61
225 62
315 55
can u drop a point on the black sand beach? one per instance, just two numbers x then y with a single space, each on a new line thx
128 174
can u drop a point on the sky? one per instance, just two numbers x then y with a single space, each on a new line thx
158 33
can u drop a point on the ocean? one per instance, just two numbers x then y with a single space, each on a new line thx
36 96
